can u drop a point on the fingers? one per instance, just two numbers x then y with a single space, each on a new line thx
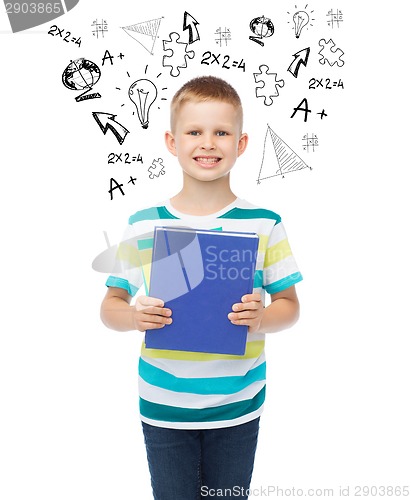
144 301
151 313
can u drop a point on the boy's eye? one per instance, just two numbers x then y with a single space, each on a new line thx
221 133
194 132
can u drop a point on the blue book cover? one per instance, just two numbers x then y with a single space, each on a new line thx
200 274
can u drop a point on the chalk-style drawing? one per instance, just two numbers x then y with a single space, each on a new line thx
310 142
99 28
82 74
330 53
145 33
223 36
300 57
176 54
270 84
191 24
300 20
335 18
106 121
143 93
156 168
279 159
262 27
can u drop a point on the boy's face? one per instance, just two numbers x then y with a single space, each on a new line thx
207 139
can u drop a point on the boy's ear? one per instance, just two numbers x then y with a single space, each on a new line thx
170 143
242 144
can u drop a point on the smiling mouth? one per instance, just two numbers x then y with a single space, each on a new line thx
207 161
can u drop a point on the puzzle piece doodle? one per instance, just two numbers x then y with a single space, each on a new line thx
177 54
330 53
156 168
269 81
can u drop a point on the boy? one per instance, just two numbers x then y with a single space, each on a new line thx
200 412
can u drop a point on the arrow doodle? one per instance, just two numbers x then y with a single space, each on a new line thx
190 24
107 121
300 57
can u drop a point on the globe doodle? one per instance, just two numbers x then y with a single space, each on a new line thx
262 27
81 74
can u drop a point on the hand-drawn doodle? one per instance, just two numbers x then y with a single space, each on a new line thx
108 56
310 142
106 121
305 109
114 158
156 168
115 185
56 31
330 53
285 159
224 35
145 33
82 74
143 93
269 81
335 18
191 24
262 27
176 54
327 84
99 28
216 59
301 19
300 57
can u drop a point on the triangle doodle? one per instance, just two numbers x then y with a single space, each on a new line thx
145 33
278 160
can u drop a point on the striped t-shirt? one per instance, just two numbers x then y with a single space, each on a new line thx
192 390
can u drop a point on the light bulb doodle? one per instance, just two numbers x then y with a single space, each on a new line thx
262 27
301 19
143 93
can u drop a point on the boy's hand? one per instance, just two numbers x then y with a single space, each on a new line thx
248 312
150 313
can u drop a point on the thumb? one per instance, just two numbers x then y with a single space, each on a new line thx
143 301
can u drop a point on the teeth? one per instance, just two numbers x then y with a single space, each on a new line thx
207 160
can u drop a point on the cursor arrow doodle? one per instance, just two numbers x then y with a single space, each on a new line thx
300 57
190 24
107 121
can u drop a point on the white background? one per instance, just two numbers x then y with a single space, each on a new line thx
338 401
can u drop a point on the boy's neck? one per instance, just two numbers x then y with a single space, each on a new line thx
203 198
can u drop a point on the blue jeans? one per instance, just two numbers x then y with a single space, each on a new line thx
194 464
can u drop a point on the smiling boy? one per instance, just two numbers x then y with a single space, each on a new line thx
200 412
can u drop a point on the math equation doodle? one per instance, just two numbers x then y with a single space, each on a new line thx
210 58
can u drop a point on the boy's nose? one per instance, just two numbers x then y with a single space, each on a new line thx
208 142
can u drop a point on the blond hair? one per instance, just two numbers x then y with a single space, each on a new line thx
202 89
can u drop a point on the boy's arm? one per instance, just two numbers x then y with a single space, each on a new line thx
282 313
117 313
